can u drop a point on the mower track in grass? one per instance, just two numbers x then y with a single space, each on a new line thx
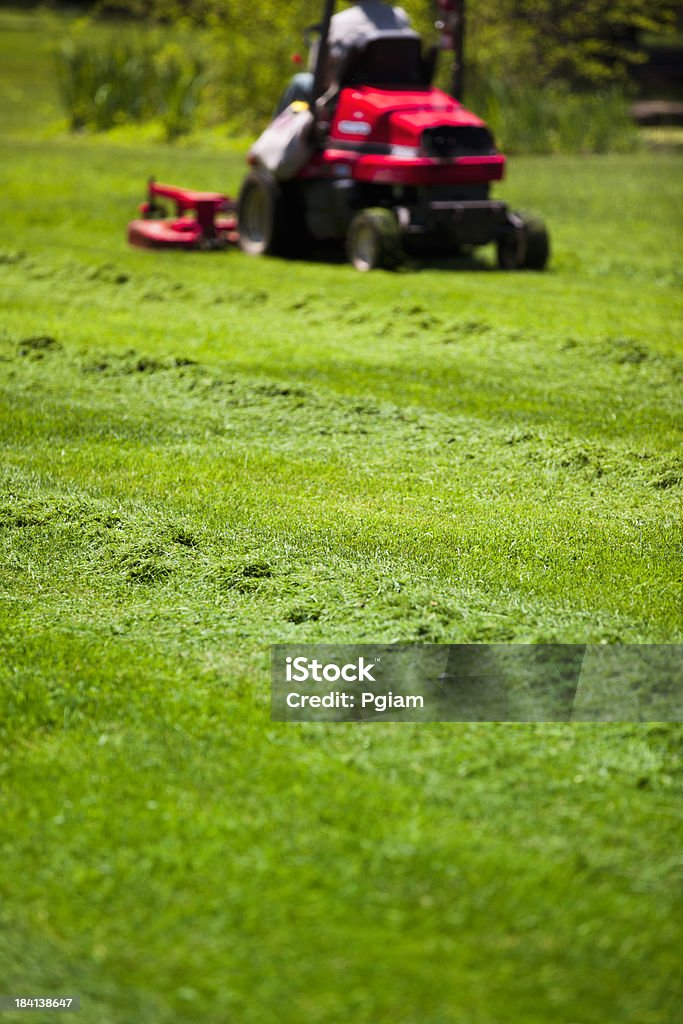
403 495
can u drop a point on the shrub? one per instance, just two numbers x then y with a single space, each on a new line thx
555 119
112 81
106 81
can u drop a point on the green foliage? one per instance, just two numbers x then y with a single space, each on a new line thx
514 52
555 119
107 82
591 43
532 42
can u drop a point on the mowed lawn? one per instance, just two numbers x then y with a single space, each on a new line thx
203 455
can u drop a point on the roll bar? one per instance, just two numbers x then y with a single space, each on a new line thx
323 52
451 23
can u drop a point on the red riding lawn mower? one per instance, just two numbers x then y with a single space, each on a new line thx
395 166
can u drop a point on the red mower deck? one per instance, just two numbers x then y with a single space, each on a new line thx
204 220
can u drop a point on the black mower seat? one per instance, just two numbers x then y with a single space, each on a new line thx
387 59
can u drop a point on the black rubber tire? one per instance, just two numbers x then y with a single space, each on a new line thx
270 217
525 244
374 240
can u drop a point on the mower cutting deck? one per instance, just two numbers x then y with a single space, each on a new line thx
204 220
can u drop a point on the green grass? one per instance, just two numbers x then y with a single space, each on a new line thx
206 454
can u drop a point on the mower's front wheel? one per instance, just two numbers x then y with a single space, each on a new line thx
525 245
264 217
374 240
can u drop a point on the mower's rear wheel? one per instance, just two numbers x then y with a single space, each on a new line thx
525 244
270 218
374 240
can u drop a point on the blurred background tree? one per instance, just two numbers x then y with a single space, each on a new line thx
534 68
592 43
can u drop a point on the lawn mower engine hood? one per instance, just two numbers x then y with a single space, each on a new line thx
416 138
